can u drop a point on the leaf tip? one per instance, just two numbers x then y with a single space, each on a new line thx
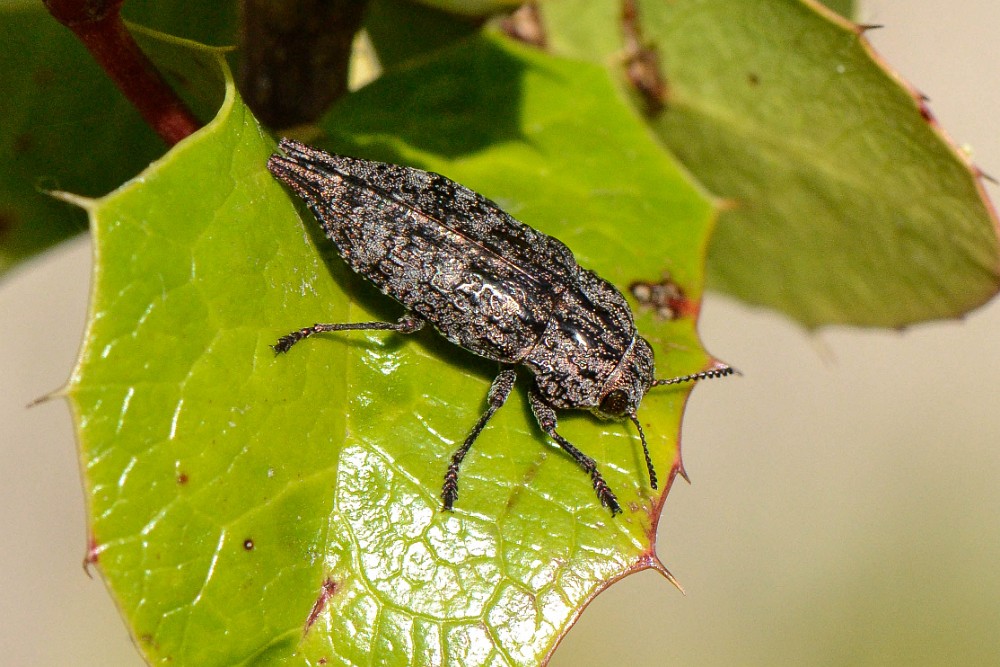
984 175
61 392
86 203
682 472
92 555
656 564
862 28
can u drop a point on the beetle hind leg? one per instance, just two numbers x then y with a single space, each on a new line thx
406 324
499 391
546 417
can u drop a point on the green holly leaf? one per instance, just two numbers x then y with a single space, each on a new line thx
401 30
845 204
248 508
66 126
845 8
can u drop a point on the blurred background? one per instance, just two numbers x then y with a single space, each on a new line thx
845 505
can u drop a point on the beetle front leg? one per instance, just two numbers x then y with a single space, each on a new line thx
546 417
499 391
406 324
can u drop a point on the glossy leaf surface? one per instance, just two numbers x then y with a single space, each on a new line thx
253 509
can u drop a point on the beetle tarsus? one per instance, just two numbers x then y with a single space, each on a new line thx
285 342
499 391
546 417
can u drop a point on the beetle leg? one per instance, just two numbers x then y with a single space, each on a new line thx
546 417
499 391
406 324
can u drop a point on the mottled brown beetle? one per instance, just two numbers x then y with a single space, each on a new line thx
489 284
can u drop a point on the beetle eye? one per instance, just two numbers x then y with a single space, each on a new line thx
615 403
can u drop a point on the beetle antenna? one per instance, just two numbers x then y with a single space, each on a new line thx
645 450
719 372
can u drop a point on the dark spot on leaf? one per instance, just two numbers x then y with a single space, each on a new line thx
532 471
326 592
182 478
147 639
248 544
665 298
529 475
753 78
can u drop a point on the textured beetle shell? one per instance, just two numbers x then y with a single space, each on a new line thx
487 282
587 339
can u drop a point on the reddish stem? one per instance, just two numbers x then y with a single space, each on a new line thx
98 24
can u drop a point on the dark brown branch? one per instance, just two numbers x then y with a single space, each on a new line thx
296 55
98 24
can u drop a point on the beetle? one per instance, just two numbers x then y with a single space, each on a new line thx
489 284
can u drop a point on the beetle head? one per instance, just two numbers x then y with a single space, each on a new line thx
621 396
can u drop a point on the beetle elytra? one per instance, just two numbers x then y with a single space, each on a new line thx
487 283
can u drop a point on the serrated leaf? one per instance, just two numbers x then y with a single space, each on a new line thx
845 204
845 8
66 126
252 509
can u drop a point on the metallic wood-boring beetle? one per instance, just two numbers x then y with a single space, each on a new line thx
489 284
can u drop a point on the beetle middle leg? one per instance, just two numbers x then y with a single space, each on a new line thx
499 391
546 417
406 324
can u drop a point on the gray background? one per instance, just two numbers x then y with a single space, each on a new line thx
845 506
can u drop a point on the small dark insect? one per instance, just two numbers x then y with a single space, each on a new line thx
487 283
